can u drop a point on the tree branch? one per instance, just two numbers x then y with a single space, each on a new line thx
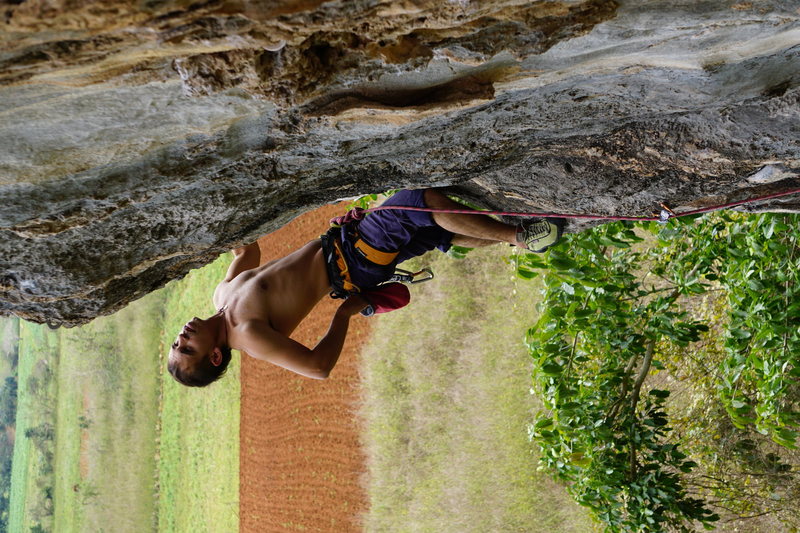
648 359
624 392
637 387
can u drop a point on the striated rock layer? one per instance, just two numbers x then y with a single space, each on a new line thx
139 140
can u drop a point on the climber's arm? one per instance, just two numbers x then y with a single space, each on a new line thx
260 340
244 258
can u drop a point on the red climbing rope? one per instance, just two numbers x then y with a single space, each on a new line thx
740 202
510 213
665 215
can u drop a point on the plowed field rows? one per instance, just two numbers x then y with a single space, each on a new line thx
300 459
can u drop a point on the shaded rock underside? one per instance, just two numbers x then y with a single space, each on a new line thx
140 140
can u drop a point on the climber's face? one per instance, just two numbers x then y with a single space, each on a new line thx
195 345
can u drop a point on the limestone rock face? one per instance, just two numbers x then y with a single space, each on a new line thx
139 140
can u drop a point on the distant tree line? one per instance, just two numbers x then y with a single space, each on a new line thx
8 401
8 413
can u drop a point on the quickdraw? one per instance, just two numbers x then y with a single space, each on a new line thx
406 276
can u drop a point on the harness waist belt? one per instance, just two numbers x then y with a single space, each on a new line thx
374 255
338 272
336 264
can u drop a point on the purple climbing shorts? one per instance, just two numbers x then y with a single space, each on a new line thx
412 233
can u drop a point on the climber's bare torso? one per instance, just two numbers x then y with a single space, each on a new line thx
278 294
262 305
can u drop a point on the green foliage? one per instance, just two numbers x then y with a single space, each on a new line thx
32 467
105 453
43 433
84 422
367 201
458 252
755 260
611 307
760 273
364 202
9 329
593 348
102 421
6 453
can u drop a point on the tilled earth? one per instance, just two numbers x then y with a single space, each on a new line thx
301 464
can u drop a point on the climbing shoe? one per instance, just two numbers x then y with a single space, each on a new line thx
537 234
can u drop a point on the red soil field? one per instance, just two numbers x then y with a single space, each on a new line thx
301 464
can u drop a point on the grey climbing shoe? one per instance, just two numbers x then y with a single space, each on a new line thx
537 234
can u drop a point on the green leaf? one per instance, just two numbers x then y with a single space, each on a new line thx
552 369
562 263
755 284
740 333
552 348
769 229
534 261
785 437
748 257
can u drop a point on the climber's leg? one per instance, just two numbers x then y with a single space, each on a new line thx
535 234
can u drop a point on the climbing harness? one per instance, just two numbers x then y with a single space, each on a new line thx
339 272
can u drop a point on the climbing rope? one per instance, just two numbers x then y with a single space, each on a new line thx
663 217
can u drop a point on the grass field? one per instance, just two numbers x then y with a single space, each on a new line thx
132 450
198 469
9 339
30 479
446 408
107 418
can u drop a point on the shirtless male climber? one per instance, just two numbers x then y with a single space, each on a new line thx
260 306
